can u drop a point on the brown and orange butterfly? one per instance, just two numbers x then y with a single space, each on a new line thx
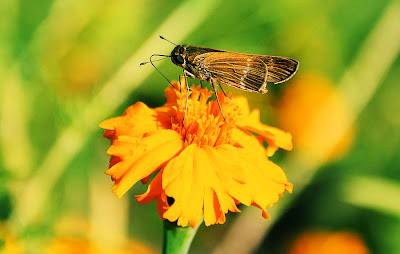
243 71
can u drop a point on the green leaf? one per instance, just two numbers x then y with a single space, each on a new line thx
375 193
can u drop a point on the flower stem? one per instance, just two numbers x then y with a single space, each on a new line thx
177 239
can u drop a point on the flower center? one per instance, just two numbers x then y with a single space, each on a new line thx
203 123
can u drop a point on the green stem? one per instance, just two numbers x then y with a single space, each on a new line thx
177 239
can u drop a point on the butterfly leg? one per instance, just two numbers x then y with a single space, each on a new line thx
180 87
187 98
216 95
225 94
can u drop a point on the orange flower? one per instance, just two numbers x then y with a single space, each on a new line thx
300 113
206 166
328 242
72 244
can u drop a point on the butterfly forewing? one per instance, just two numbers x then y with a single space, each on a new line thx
246 72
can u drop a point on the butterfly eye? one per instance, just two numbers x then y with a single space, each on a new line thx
177 59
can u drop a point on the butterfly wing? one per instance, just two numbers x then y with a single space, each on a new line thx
247 72
280 69
241 71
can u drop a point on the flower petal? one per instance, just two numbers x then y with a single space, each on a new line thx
245 140
266 181
138 160
136 121
275 137
204 177
153 190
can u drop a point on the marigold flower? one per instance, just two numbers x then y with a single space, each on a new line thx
206 166
328 242
299 107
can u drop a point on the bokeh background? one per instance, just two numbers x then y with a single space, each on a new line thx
67 65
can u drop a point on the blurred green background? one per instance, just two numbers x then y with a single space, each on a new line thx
65 66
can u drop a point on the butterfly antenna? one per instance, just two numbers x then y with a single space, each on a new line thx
154 60
151 61
167 40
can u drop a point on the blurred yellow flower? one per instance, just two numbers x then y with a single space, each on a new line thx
72 245
9 243
207 166
68 239
300 105
328 242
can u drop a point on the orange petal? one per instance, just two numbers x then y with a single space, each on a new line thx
137 120
146 156
242 104
204 178
248 141
179 179
153 190
266 182
275 137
